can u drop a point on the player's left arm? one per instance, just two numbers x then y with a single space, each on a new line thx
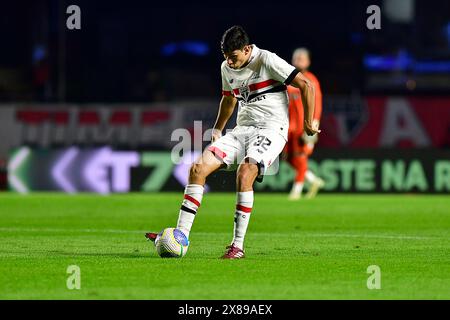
289 75
307 92
318 104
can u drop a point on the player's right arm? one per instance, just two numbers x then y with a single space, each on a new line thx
226 108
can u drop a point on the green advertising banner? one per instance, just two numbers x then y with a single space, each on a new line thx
106 170
372 171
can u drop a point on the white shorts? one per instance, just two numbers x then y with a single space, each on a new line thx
262 146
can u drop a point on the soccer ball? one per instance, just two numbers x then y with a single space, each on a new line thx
171 243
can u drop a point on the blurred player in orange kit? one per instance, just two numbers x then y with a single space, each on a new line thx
300 146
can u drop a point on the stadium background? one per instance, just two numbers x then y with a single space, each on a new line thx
105 99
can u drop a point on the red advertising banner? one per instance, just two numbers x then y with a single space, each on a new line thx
394 122
350 122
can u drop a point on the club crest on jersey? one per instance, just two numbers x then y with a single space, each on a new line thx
244 91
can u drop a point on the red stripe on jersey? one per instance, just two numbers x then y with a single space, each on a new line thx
261 85
257 86
226 93
244 209
217 152
191 199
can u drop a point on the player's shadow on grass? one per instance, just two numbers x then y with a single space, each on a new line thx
131 255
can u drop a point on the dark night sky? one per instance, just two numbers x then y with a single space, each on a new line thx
118 50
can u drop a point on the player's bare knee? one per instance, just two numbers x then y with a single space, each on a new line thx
196 171
246 174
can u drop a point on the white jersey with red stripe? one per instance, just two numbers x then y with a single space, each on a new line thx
260 88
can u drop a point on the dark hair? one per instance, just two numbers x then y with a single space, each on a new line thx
234 38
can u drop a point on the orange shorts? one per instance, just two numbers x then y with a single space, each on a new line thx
296 146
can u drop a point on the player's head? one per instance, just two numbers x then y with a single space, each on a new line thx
235 47
301 59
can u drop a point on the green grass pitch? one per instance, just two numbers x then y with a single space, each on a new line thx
317 249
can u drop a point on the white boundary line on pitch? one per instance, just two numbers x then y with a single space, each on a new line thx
307 234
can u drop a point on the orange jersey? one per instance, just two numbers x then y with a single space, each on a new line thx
296 105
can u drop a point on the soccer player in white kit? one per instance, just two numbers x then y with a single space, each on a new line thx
255 79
